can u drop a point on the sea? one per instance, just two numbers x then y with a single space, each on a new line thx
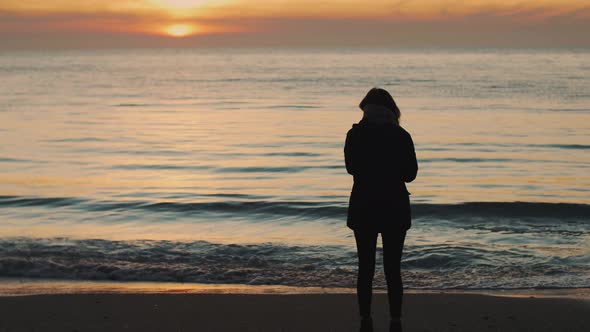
225 166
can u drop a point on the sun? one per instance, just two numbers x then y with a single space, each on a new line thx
180 30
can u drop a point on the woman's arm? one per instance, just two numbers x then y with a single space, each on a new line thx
349 153
410 166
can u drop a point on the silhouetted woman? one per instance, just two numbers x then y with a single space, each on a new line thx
380 155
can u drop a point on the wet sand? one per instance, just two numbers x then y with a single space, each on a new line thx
286 312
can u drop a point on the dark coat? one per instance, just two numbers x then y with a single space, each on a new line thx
381 158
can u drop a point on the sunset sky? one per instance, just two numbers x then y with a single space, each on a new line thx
404 23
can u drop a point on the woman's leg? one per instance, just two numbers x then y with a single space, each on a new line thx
366 245
393 245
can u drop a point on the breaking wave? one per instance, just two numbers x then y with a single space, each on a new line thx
335 209
425 267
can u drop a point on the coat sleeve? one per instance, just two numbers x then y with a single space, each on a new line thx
410 168
349 153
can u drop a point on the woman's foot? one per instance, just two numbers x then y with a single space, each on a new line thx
395 325
366 324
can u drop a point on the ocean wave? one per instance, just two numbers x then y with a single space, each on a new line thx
161 167
131 105
425 267
292 106
497 162
15 160
496 146
292 154
335 209
564 146
76 140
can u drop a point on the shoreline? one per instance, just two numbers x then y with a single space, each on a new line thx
286 312
28 287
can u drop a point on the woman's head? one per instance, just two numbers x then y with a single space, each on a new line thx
380 97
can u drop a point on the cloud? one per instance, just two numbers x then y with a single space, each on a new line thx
289 8
480 26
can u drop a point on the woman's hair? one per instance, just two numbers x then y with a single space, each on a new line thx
378 96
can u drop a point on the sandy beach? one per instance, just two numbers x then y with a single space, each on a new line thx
286 312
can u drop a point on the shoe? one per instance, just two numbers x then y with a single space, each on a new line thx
366 325
395 325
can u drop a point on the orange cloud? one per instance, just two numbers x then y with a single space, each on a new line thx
299 8
288 22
